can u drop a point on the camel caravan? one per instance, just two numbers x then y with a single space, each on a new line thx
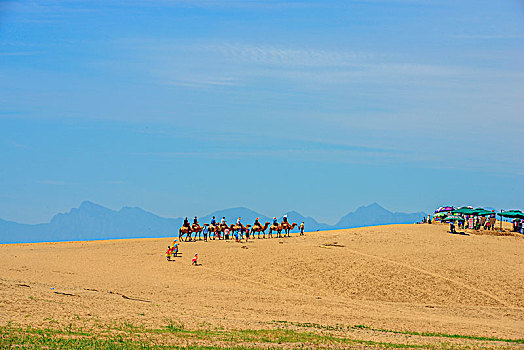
222 230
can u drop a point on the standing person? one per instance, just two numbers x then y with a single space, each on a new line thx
301 227
205 231
175 248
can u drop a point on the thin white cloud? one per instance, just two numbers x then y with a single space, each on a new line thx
285 56
20 53
115 182
488 36
52 182
19 145
200 83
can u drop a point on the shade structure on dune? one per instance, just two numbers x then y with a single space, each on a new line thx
444 209
484 212
471 211
464 210
453 218
512 214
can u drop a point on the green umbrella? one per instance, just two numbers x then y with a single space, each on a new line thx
485 212
453 218
464 210
440 215
512 214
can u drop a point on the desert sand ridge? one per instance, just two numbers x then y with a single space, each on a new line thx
402 277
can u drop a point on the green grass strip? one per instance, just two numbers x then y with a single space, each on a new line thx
28 337
339 327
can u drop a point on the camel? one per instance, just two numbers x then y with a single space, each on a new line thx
222 230
213 229
275 228
260 229
184 230
238 228
287 227
196 228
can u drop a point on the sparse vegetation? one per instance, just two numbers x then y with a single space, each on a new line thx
176 335
339 327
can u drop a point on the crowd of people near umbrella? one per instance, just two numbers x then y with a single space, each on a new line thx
476 219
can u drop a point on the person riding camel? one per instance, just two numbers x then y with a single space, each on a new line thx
257 223
275 221
195 221
240 223
223 221
285 219
186 222
213 221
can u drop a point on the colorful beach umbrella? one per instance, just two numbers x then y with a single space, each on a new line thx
512 214
444 209
484 212
453 218
464 210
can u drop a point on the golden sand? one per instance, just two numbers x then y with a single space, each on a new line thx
402 277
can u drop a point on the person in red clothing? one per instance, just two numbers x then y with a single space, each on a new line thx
194 261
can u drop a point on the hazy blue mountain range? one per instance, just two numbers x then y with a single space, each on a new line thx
374 214
91 221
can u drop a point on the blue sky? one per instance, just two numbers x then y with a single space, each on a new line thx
186 107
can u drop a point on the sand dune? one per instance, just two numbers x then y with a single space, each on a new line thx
402 277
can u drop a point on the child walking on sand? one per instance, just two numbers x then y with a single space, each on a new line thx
301 227
194 261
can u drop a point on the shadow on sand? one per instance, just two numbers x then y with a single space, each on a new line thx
459 233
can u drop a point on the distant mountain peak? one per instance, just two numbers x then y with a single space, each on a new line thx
133 209
87 205
375 207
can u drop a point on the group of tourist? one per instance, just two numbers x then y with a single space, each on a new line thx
475 219
518 225
172 252
223 230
